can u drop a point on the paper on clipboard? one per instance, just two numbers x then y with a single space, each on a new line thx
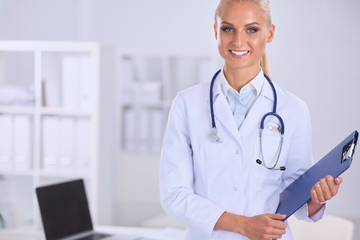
334 163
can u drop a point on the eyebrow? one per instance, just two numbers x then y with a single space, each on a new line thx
248 24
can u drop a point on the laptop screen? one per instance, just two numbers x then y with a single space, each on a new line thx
64 209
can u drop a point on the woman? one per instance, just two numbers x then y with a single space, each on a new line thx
229 188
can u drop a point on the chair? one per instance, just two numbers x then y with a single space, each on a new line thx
329 227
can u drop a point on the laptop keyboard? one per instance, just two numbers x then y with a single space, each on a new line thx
95 236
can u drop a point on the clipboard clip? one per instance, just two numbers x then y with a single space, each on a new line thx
348 152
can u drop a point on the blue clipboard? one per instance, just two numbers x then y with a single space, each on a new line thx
334 163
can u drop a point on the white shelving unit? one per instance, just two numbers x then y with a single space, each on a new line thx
149 81
59 92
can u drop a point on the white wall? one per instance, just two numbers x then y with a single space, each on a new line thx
314 54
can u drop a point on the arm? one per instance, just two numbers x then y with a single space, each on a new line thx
266 226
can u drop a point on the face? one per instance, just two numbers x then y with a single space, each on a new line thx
242 31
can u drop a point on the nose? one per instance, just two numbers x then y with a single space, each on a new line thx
239 39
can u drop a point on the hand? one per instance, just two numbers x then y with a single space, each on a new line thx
265 227
261 227
325 189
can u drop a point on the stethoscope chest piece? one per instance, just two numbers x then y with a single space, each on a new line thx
215 134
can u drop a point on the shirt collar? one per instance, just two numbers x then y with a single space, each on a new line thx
256 83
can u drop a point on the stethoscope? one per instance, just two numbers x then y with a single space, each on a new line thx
216 135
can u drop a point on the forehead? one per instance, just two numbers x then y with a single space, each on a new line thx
241 13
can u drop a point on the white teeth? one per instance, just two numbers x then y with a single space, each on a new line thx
240 53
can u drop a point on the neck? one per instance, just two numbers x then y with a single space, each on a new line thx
237 78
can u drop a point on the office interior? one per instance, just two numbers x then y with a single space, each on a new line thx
162 47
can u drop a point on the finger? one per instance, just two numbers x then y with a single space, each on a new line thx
326 192
319 193
332 185
276 216
274 236
277 222
338 180
314 196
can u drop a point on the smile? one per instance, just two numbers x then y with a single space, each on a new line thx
239 53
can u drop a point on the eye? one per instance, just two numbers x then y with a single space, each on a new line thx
252 30
227 29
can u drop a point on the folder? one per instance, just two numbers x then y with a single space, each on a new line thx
83 145
6 142
22 142
334 163
50 135
66 144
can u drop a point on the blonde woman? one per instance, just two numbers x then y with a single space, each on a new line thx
218 175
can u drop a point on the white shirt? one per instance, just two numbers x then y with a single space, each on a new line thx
241 102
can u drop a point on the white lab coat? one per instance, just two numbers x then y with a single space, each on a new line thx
200 179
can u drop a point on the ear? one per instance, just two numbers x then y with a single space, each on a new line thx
215 31
271 33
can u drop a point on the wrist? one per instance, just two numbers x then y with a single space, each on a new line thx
313 207
231 222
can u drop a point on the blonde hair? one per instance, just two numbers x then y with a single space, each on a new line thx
265 5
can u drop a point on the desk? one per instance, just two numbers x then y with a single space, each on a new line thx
146 233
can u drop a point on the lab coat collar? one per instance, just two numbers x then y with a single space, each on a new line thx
224 116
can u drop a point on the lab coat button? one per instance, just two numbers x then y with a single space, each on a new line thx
237 151
235 189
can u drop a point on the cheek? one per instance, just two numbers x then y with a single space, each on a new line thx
222 43
259 44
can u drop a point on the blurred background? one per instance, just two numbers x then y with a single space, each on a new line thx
126 60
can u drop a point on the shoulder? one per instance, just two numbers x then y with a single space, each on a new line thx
290 101
197 92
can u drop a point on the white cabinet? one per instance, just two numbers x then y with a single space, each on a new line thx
49 123
149 81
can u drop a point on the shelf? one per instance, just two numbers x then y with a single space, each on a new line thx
149 81
18 172
50 46
16 110
64 112
63 174
65 76
159 105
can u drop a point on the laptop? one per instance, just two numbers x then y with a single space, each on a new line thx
65 213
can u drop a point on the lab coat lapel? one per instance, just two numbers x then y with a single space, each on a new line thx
222 112
261 106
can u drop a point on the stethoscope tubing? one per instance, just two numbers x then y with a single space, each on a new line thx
216 136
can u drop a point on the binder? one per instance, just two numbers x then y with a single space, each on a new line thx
22 142
334 163
83 145
50 135
6 142
66 144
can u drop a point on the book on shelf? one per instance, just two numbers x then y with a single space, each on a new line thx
22 142
6 142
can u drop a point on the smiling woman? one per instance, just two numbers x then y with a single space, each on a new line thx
220 186
242 38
